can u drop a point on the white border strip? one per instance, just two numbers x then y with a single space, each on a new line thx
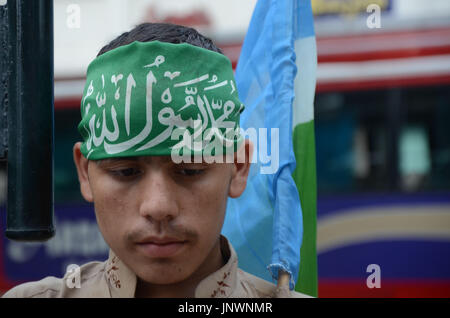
326 73
379 69
387 42
69 89
387 223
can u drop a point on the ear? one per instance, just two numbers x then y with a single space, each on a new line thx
82 169
241 169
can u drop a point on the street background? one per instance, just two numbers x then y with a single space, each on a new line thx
382 113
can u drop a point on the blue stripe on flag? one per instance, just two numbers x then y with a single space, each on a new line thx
265 224
305 20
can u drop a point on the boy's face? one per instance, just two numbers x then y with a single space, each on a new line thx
160 218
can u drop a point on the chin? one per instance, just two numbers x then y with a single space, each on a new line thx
163 280
163 276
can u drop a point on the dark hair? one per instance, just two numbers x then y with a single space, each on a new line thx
164 32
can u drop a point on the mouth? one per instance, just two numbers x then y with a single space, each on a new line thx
160 247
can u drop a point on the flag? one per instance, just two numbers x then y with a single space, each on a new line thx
266 224
304 143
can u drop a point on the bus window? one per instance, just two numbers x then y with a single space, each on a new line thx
394 139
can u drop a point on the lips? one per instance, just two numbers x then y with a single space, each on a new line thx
160 247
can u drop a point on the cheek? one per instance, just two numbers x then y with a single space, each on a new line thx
110 206
109 194
208 202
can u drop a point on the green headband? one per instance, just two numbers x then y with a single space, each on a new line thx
158 99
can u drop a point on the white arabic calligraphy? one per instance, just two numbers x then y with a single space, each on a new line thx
216 86
167 117
171 75
216 105
193 81
100 100
131 83
115 79
214 79
189 101
158 61
190 91
123 146
166 97
105 133
233 89
89 91
212 137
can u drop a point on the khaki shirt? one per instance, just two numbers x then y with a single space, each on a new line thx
113 278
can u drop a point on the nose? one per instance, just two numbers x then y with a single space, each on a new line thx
158 197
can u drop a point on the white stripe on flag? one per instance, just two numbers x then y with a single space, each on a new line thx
305 81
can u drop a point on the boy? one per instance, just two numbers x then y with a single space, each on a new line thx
161 153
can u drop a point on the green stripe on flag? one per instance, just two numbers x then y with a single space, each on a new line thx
305 179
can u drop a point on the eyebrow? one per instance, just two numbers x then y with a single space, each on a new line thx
102 162
106 161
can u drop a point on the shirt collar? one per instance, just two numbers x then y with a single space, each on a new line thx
121 279
220 284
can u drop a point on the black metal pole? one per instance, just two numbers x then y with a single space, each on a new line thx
30 121
4 75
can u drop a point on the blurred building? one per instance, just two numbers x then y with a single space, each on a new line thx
383 147
382 137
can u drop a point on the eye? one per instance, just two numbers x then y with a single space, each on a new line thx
190 172
126 172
